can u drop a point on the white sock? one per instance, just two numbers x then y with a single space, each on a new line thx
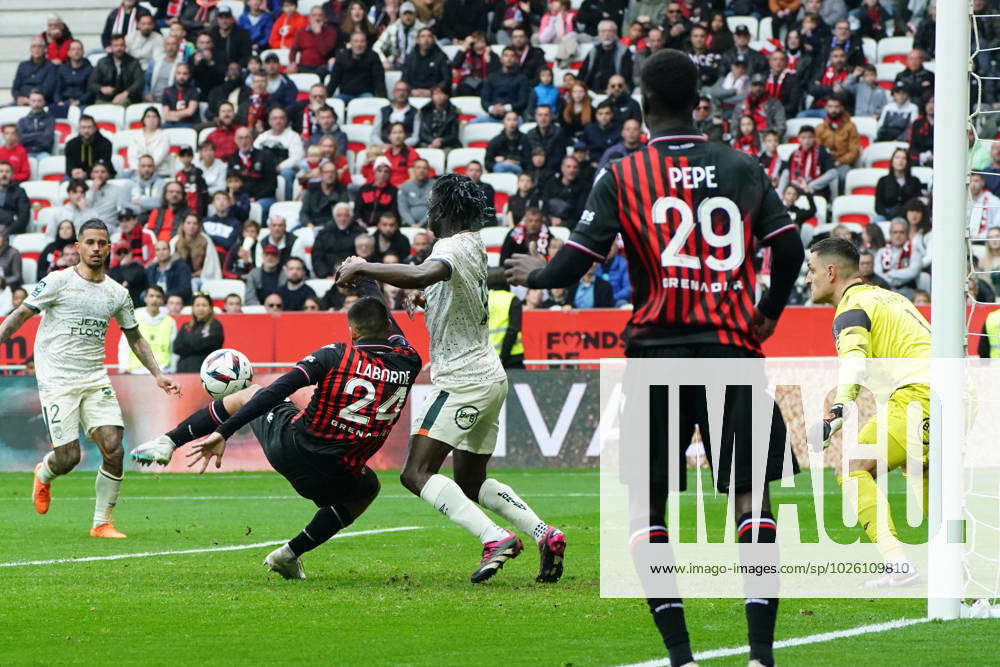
504 501
107 487
446 497
45 474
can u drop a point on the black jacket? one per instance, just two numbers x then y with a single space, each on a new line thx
354 76
332 246
15 212
461 18
83 156
236 47
554 143
317 206
193 345
383 122
890 196
399 246
592 12
918 84
104 74
515 147
261 178
564 201
71 84
506 88
442 125
422 70
532 63
604 295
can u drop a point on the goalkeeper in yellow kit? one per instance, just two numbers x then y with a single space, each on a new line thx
873 323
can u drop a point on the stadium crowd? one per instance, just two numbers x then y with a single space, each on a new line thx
264 143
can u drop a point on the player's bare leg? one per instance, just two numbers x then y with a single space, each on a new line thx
421 477
470 475
198 425
109 480
60 461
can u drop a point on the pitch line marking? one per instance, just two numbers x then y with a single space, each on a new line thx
236 547
794 641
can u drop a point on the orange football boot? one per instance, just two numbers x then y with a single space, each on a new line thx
40 493
107 530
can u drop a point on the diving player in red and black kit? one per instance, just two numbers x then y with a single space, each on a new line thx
691 214
361 388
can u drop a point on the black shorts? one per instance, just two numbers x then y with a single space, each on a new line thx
316 476
693 411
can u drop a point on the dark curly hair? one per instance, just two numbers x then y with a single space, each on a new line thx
458 204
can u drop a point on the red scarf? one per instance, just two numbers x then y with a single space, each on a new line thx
832 76
306 123
793 60
204 7
119 27
804 165
174 8
773 168
833 124
475 65
519 236
901 262
773 87
755 109
875 14
747 143
256 109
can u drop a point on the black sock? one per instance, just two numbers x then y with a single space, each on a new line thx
761 612
324 525
199 424
668 613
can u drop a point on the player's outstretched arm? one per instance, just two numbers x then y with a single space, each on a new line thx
14 321
405 276
564 269
145 355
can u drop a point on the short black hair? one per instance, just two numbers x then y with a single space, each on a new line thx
839 248
807 129
156 288
94 223
186 150
369 317
670 83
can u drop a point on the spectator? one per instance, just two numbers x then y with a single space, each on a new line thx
105 198
918 80
357 71
48 259
550 137
223 137
869 98
755 61
160 72
151 141
319 200
258 24
146 43
426 66
504 313
784 14
10 263
129 273
164 221
389 240
732 88
147 185
783 84
767 112
531 232
579 111
35 73
982 206
530 59
591 292
474 170
399 156
280 88
57 38
194 246
328 128
872 237
804 218
279 237
839 136
157 327
171 274
897 187
872 18
377 197
507 89
399 110
255 104
303 116
505 153
208 64
222 227
355 19
190 177
527 196
14 154
239 260
335 241
565 194
265 280
599 136
899 263
232 40
697 50
438 121
922 136
294 292
180 101
810 166
118 77
175 304
991 176
273 303
286 25
896 116
990 261
607 58
413 194
845 40
474 63
770 159
86 148
185 48
420 249
284 145
461 18
538 165
631 141
654 43
37 129
199 337
71 82
233 305
140 241
15 207
313 48
544 92
720 37
676 27
76 207
800 61
706 122
212 169
238 195
866 269
429 11
918 218
257 168
831 82
399 38
923 39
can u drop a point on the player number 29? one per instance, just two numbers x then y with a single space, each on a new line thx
389 409
733 239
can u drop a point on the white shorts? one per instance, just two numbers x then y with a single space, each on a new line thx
466 418
66 410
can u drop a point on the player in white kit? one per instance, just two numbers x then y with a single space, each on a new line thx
461 415
77 303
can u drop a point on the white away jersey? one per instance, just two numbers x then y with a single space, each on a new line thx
457 312
69 346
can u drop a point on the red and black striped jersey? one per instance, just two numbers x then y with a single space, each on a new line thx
360 392
690 213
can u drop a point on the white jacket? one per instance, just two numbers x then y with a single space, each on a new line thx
292 142
212 268
156 146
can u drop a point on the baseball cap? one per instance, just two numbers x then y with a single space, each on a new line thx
758 78
407 7
382 161
224 11
127 212
579 145
740 60
741 30
271 249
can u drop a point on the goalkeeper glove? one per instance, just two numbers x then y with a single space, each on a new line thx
820 434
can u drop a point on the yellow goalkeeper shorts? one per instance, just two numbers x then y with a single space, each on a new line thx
898 427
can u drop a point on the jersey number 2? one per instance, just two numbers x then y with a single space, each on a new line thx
733 239
389 409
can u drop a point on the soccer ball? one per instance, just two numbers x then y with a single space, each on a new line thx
225 372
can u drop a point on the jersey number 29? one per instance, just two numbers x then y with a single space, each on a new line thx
733 239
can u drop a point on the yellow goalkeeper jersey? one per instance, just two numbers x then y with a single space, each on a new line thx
875 323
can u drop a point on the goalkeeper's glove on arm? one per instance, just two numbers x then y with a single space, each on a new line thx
821 433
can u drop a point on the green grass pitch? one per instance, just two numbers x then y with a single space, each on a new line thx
398 598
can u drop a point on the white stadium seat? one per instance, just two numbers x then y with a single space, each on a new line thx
785 151
793 125
392 77
859 209
304 80
878 153
560 232
281 53
289 210
339 108
45 193
223 287
320 285
119 145
925 174
862 181
492 259
364 110
29 244
506 183
478 135
411 232
135 112
182 136
434 157
458 158
46 218
358 136
10 115
52 168
469 107
894 49
493 237
765 29
821 206
869 47
886 73
110 117
749 21
254 310
867 128
236 6
29 270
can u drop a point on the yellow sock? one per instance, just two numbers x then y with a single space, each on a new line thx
866 504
